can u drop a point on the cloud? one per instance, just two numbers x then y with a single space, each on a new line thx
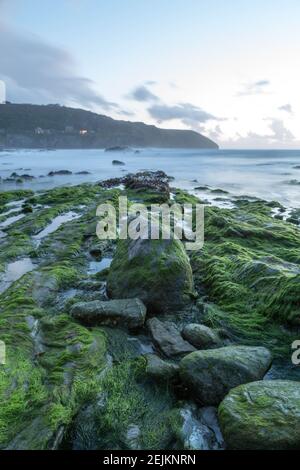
286 107
215 133
150 82
279 136
280 132
188 114
142 94
37 72
254 88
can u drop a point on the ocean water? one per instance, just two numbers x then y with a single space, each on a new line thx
267 174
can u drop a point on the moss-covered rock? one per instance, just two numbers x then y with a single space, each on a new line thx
201 336
210 374
130 313
156 271
262 415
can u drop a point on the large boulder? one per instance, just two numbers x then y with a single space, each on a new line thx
201 336
129 313
262 415
211 374
156 271
168 338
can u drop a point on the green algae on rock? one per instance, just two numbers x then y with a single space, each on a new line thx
262 415
156 271
130 313
210 374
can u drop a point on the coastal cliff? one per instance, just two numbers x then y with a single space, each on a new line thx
54 126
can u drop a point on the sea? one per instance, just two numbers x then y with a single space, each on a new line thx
265 174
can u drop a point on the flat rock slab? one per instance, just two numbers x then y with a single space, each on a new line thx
168 338
262 415
209 375
129 313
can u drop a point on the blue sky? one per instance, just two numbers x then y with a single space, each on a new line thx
229 69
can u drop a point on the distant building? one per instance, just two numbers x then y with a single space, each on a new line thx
39 131
83 131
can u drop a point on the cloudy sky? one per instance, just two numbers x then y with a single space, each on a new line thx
229 69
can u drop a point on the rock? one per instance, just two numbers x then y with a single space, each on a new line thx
208 415
23 177
159 369
132 437
262 415
156 271
96 252
118 148
168 338
211 374
154 181
83 173
60 173
27 209
201 336
193 432
130 313
117 162
37 435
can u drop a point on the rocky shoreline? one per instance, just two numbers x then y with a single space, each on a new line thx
130 345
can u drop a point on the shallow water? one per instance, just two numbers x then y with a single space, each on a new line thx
261 173
98 266
54 225
11 220
14 271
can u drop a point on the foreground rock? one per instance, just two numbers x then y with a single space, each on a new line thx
197 429
130 313
201 336
262 415
167 337
211 374
159 369
156 271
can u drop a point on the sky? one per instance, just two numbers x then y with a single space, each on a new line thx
229 69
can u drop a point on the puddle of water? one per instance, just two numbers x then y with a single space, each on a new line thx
287 213
98 266
10 211
11 220
15 203
54 225
14 271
